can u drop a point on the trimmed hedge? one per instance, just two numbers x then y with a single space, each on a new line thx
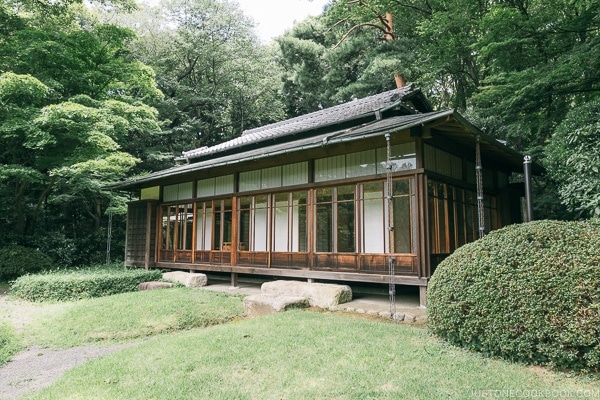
17 260
527 293
82 284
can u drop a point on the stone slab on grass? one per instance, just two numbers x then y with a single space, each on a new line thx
154 285
188 279
322 295
259 305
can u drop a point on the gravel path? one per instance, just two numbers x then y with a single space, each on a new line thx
36 368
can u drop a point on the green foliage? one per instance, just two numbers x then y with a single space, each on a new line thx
528 293
217 79
80 284
18 260
75 115
9 343
573 159
21 89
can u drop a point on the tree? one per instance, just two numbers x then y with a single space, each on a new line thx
71 110
541 59
217 79
573 159
302 58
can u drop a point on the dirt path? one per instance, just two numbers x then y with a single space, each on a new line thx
35 368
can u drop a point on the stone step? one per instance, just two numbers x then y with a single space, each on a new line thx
259 305
188 279
154 285
322 295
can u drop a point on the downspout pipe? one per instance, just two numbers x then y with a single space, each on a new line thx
528 196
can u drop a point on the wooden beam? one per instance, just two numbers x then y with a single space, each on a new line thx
303 274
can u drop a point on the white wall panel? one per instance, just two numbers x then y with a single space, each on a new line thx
249 180
361 163
295 174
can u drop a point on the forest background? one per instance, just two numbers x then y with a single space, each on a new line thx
94 93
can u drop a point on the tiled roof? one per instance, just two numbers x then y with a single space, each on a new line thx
326 117
459 130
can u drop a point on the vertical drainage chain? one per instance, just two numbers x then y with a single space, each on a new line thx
390 208
108 238
479 179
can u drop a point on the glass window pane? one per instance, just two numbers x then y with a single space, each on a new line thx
403 157
208 227
401 187
374 230
299 228
205 187
345 193
324 195
260 224
330 168
402 225
170 193
184 226
249 180
271 177
361 164
295 174
281 222
245 217
224 184
324 227
227 227
345 227
217 226
345 219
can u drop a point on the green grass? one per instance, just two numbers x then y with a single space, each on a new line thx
131 316
9 343
302 355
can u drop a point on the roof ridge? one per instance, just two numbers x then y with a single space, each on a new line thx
327 110
321 118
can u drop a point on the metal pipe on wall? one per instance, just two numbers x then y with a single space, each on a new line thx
528 197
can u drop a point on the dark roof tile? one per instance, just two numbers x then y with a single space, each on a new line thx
328 116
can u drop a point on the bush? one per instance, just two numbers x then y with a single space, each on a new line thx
528 293
80 284
8 342
18 260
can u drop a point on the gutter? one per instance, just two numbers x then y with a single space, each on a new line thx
327 139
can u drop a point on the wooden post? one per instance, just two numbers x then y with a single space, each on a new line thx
148 235
234 280
423 296
234 231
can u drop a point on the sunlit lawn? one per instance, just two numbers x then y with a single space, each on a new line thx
132 316
291 355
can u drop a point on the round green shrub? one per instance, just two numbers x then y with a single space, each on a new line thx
528 293
17 260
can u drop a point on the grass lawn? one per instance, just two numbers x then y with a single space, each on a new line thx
131 316
291 355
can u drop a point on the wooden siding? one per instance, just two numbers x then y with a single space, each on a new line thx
141 233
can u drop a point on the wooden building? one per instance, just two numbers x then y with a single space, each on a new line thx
378 189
